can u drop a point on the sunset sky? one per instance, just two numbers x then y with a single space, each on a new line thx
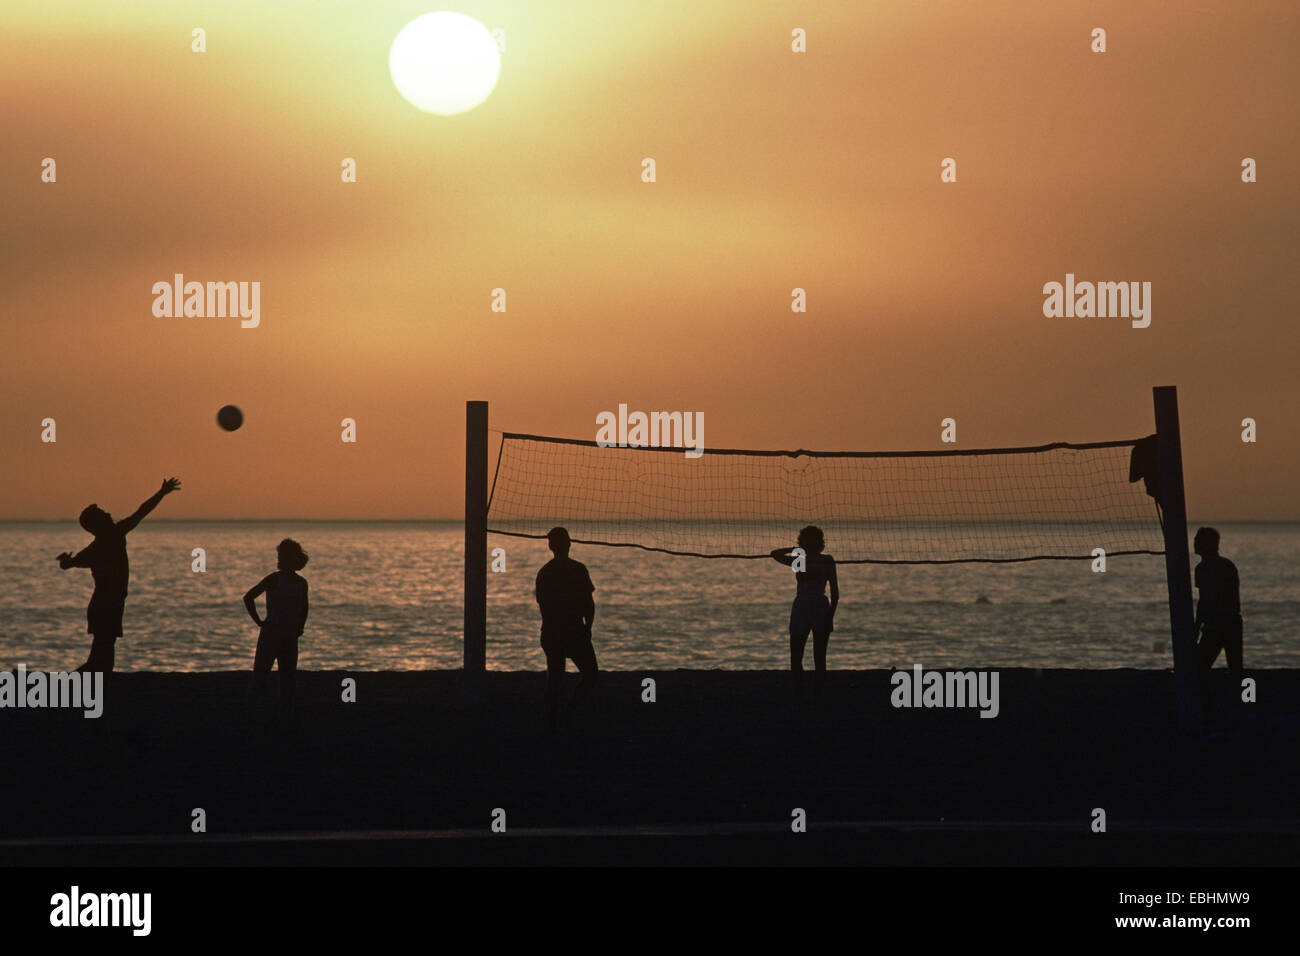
775 170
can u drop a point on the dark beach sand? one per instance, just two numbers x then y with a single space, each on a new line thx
708 774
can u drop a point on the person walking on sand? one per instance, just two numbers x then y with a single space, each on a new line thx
110 569
1218 623
286 616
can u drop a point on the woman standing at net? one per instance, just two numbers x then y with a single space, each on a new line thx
811 610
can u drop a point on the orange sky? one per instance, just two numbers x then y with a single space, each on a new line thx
775 170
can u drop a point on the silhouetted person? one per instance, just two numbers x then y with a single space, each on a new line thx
106 558
811 611
564 591
1218 612
286 616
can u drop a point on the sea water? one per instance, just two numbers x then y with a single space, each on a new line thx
388 596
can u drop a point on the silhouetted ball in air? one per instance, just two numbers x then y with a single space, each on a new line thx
230 418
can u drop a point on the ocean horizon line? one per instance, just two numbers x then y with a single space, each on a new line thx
153 520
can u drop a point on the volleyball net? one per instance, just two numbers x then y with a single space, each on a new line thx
1058 501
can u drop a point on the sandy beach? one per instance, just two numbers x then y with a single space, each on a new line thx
709 773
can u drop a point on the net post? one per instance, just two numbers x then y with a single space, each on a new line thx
1178 569
476 466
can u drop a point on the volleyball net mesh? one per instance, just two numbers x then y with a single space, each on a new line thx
1048 502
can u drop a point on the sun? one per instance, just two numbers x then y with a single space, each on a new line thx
444 62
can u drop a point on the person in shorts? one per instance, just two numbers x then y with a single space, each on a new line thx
564 596
107 560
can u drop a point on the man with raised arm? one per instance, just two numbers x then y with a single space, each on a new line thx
563 593
106 558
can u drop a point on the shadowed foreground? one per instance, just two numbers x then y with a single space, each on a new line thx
708 774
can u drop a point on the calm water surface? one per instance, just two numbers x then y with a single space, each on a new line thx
387 596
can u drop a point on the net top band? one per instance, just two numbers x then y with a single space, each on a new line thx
806 453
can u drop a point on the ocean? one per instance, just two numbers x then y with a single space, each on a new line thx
388 596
